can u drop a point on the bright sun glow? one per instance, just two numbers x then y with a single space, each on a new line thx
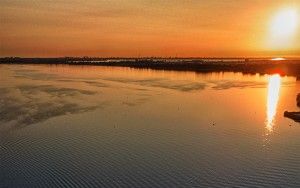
284 23
278 59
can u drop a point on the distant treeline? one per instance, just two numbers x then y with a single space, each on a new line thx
261 66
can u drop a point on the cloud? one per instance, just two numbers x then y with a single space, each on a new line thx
53 91
96 83
227 84
33 74
25 105
184 86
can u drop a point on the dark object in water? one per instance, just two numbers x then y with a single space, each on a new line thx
292 115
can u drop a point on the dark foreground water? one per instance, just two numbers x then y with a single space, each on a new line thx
72 126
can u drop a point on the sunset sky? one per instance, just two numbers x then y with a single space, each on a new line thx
182 28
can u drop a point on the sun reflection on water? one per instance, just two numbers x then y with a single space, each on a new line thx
274 83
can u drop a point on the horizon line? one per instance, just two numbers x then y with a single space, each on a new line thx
154 57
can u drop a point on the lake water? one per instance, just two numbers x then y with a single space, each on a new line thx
88 126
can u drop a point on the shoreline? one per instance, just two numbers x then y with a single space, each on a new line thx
247 66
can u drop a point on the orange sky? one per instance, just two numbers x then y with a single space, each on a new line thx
183 28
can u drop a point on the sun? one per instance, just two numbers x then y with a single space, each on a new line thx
284 24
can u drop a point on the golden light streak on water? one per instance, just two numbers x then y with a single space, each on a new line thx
274 83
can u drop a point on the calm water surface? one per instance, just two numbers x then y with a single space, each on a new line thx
85 126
